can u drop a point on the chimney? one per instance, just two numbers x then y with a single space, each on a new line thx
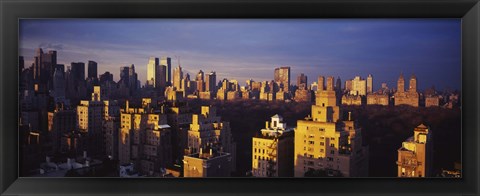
126 106
349 116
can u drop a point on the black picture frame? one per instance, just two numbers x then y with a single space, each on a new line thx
11 11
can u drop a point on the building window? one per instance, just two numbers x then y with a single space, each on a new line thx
322 143
332 152
332 145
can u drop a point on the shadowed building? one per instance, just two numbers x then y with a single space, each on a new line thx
207 129
208 163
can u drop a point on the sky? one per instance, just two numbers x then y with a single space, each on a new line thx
244 49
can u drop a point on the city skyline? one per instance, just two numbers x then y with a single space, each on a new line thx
244 49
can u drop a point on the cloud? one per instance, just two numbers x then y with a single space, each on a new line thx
51 46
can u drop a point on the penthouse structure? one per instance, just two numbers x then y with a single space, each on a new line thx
326 145
272 150
415 156
210 162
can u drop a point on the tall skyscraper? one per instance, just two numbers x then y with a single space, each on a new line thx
415 156
272 151
167 61
44 65
59 84
302 81
177 78
326 145
369 83
92 69
78 71
282 78
200 80
211 82
152 71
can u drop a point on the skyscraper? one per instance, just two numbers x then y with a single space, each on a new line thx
59 84
200 79
211 82
415 156
167 61
177 78
78 71
359 86
302 81
282 78
369 83
92 69
152 71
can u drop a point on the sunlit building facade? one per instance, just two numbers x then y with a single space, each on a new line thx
326 144
415 156
272 150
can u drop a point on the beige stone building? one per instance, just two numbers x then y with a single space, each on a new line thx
207 129
303 95
415 156
208 163
145 139
358 87
352 100
272 151
410 97
326 144
378 99
432 101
